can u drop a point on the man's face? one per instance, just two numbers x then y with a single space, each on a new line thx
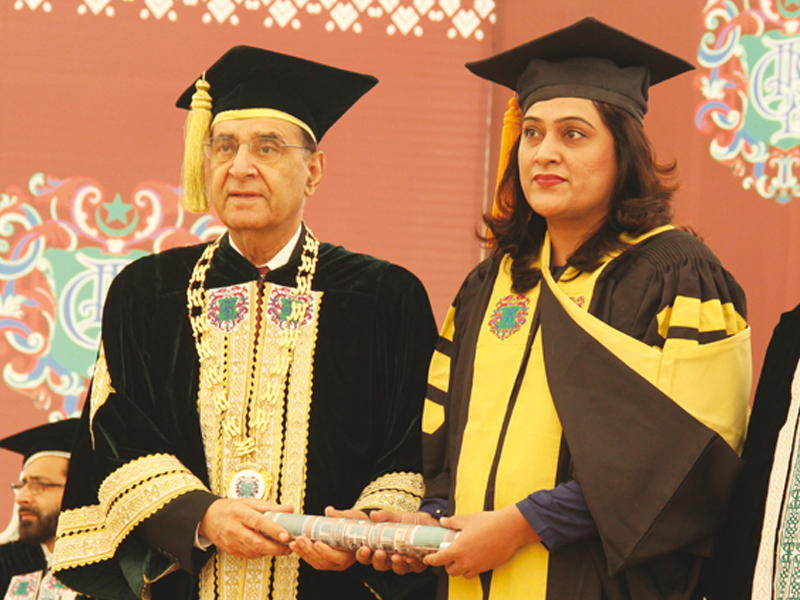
264 199
38 513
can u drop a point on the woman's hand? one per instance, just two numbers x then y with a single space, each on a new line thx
486 541
382 561
319 554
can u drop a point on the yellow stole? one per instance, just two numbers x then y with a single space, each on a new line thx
531 448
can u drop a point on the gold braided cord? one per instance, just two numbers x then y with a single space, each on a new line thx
395 492
128 496
275 389
196 296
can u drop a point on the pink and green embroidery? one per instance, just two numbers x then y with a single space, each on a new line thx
509 315
227 307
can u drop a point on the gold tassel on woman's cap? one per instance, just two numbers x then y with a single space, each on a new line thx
198 124
512 127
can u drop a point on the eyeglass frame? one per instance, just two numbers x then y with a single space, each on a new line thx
35 486
208 141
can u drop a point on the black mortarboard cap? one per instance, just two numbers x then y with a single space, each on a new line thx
587 59
316 94
51 437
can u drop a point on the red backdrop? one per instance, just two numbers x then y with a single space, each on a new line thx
91 146
87 90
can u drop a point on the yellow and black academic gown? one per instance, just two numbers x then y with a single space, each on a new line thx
633 380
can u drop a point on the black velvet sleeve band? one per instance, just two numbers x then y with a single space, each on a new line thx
172 530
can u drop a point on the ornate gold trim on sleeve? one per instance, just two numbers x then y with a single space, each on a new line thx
127 497
395 492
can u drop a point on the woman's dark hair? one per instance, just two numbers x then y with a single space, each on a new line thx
640 201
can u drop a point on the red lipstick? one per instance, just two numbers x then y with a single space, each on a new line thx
548 180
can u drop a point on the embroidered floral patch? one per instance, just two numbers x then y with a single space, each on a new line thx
509 315
227 307
53 588
28 587
579 300
279 306
23 587
249 483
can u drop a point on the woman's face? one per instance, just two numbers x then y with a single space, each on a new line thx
567 164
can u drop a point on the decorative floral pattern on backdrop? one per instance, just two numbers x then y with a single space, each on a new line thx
750 79
454 18
61 244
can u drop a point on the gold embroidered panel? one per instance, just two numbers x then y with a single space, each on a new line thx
396 492
126 498
258 338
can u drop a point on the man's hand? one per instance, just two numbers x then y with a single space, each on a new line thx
239 527
486 541
382 561
321 556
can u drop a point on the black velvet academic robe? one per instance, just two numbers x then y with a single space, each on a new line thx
656 480
730 573
18 558
375 336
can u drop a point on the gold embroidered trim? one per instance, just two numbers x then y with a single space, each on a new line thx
197 303
244 372
101 388
395 492
127 497
297 416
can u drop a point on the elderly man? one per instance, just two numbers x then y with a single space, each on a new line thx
264 371
25 562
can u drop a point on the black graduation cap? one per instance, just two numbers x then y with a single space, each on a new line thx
587 59
316 94
51 437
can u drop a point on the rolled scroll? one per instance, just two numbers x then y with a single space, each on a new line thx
352 534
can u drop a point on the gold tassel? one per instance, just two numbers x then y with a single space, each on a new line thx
512 127
197 125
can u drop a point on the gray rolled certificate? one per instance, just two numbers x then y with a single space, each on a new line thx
352 534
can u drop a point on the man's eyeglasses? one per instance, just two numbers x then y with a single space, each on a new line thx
264 150
35 487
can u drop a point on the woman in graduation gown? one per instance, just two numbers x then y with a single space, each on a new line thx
588 397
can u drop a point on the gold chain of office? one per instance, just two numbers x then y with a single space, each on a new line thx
198 307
